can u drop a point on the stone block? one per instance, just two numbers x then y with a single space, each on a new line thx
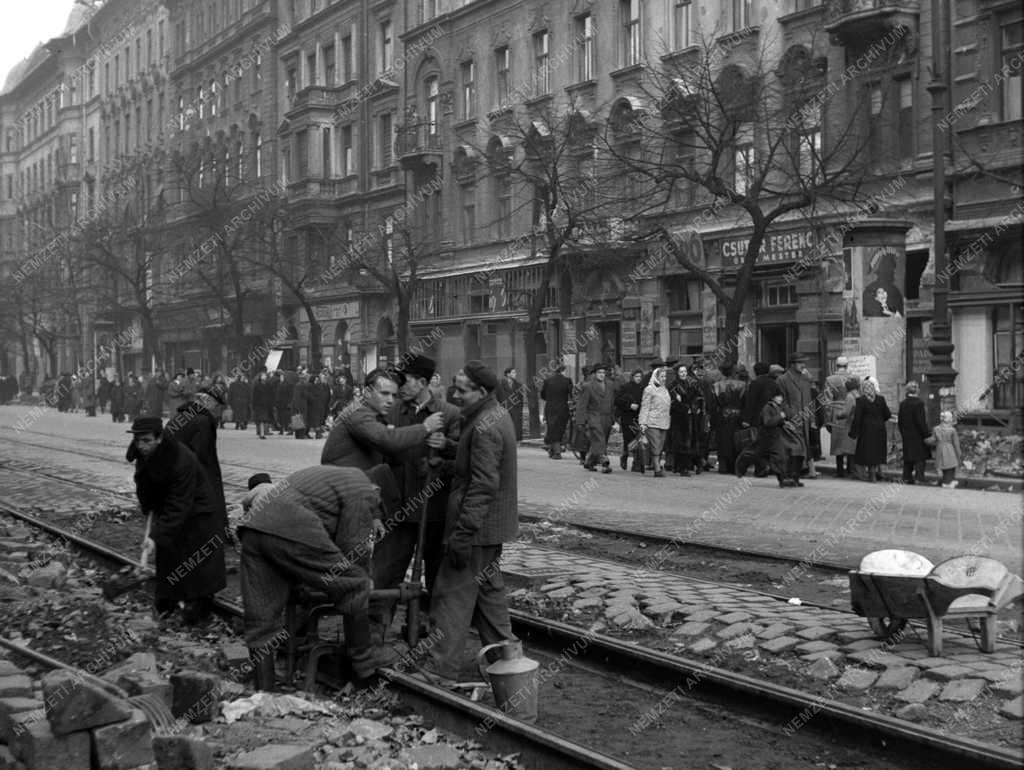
52 575
823 669
774 631
817 646
702 646
702 616
734 630
74 704
1013 709
734 617
877 659
780 644
276 756
962 690
441 756
370 729
863 644
592 602
853 635
912 712
896 678
834 655
929 662
194 696
123 745
179 752
9 669
38 747
562 593
918 692
815 632
1008 683
949 673
691 628
15 686
13 714
856 679
631 619
235 653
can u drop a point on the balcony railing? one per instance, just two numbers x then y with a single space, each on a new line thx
323 189
318 96
859 18
419 138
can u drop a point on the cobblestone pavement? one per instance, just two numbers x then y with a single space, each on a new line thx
822 644
830 520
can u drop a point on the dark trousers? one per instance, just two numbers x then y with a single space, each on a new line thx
272 566
948 474
473 596
391 559
557 423
913 471
727 449
597 440
628 434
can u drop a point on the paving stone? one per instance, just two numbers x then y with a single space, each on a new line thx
1009 684
774 631
863 644
929 662
961 690
591 593
38 747
562 593
441 756
850 636
691 628
586 604
703 615
745 642
877 659
23 708
735 617
823 669
74 704
948 673
9 669
856 679
815 632
179 752
834 655
554 585
912 712
194 696
275 756
817 646
780 643
631 619
731 632
124 744
15 686
896 678
1013 709
702 645
918 692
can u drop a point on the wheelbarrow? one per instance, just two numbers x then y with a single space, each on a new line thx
893 586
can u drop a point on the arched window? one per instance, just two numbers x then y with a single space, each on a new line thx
213 98
258 143
431 89
201 98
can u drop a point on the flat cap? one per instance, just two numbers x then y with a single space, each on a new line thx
796 358
480 374
146 425
259 478
420 366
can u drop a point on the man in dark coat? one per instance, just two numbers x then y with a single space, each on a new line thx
797 401
195 426
156 387
627 409
510 395
312 529
283 401
595 416
361 437
482 516
556 392
914 430
300 405
240 401
262 404
423 476
729 393
187 534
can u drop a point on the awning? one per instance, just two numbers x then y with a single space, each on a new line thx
485 267
984 223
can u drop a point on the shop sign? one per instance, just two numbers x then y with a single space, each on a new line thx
792 246
629 346
339 310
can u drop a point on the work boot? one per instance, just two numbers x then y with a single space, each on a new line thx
366 660
263 674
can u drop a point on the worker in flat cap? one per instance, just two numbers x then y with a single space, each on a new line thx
595 414
798 402
482 516
184 531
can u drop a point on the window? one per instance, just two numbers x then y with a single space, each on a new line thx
682 20
257 71
585 48
160 39
875 101
328 169
311 73
149 120
258 143
149 46
468 89
329 66
429 10
386 46
1008 344
348 159
91 149
503 67
905 118
127 132
117 70
291 76
467 225
91 76
432 93
541 63
809 142
238 82
160 115
201 98
181 113
632 45
346 59
683 295
127 63
384 141
240 159
740 14
503 185
743 159
73 149
138 55
213 98
1012 36
779 294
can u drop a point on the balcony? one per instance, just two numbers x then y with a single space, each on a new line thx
862 22
420 144
323 189
317 98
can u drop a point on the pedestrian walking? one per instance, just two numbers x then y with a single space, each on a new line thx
914 432
655 420
186 535
836 414
133 400
706 419
262 404
300 416
319 404
76 392
628 399
283 403
595 417
842 445
729 393
797 400
556 392
510 396
117 399
312 529
868 429
240 401
482 517
154 395
787 449
89 396
103 393
682 445
947 450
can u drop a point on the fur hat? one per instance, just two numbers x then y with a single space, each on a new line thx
481 375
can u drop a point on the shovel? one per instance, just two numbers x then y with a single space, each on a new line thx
139 574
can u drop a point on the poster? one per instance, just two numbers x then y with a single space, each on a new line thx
881 298
646 328
862 367
274 360
629 346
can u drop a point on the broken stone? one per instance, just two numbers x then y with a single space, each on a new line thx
276 756
734 630
562 593
961 690
15 686
137 675
370 729
194 696
691 628
1013 709
52 575
702 646
74 704
38 747
14 711
124 744
439 757
179 752
585 604
632 620
823 669
780 644
235 653
896 678
914 712
918 692
856 679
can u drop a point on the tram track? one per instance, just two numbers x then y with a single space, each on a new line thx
684 682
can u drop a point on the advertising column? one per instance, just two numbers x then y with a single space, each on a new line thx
874 315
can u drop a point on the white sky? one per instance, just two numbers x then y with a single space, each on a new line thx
24 23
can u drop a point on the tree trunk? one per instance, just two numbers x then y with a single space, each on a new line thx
315 341
402 329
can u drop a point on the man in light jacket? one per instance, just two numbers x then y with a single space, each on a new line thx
595 415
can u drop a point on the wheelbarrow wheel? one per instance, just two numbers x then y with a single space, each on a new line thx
887 628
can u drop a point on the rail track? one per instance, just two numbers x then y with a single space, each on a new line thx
699 695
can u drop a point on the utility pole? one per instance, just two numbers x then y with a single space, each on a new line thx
941 375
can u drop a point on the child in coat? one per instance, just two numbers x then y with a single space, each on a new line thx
947 450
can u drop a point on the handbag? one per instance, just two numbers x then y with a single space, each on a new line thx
745 438
298 422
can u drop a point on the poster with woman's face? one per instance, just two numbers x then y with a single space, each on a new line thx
881 298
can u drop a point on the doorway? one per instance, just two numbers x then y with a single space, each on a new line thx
776 343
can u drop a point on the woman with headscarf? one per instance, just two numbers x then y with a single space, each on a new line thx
868 428
627 410
655 417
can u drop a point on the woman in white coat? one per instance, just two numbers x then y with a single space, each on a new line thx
655 417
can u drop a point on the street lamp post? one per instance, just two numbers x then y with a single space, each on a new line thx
941 375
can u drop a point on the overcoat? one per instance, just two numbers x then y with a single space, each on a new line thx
262 401
116 398
156 388
240 400
556 392
195 426
361 439
188 532
868 428
319 401
510 395
176 396
841 443
913 427
595 405
947 447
